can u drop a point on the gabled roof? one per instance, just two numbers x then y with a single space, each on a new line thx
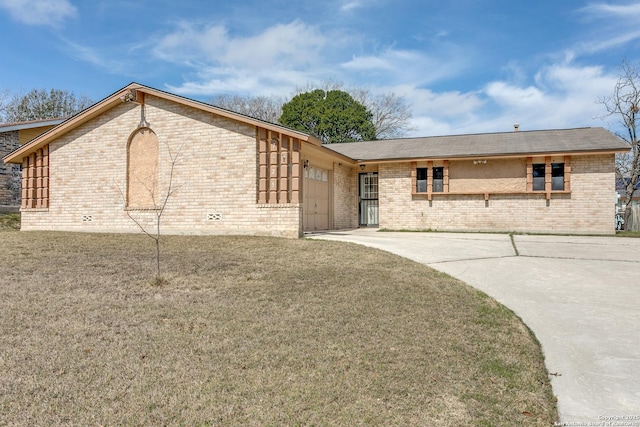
118 97
32 124
507 144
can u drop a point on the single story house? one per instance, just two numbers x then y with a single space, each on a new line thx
232 174
12 136
621 190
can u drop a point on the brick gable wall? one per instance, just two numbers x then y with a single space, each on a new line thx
215 176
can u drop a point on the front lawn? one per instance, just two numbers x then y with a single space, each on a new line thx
253 331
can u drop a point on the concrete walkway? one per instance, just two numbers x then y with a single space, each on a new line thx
579 295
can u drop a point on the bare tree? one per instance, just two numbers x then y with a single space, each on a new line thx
391 115
260 107
159 207
625 105
43 104
4 98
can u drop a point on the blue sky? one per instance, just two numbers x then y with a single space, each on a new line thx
464 66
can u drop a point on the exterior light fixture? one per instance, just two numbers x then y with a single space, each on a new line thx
306 164
129 96
362 167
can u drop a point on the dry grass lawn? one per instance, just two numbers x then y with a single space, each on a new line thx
253 331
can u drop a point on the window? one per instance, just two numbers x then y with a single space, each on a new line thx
438 179
538 176
557 176
421 180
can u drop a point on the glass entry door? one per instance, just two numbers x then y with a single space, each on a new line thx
368 197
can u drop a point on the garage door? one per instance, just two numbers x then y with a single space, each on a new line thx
316 199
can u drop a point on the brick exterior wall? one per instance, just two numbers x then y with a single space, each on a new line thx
215 176
217 180
10 177
588 209
345 196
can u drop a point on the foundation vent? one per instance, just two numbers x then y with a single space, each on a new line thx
87 218
214 217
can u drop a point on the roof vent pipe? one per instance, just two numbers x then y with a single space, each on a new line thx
515 127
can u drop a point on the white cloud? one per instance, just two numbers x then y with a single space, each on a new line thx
95 57
295 54
511 96
277 59
369 63
629 11
615 25
350 5
561 96
443 113
294 44
284 55
40 12
401 66
606 43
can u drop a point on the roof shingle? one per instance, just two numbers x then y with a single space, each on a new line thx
488 144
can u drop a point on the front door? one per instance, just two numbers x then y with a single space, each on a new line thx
368 197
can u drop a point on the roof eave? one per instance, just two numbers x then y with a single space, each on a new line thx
32 124
114 99
490 156
340 156
71 123
222 112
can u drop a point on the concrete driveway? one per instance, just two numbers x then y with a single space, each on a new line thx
579 295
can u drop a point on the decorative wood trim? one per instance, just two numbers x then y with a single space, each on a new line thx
35 179
567 173
529 174
547 176
273 143
482 193
296 172
445 178
263 180
414 177
547 192
279 168
429 178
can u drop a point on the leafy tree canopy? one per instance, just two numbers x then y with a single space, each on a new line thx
43 104
332 116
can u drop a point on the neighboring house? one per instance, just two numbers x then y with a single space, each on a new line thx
239 175
633 223
12 136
